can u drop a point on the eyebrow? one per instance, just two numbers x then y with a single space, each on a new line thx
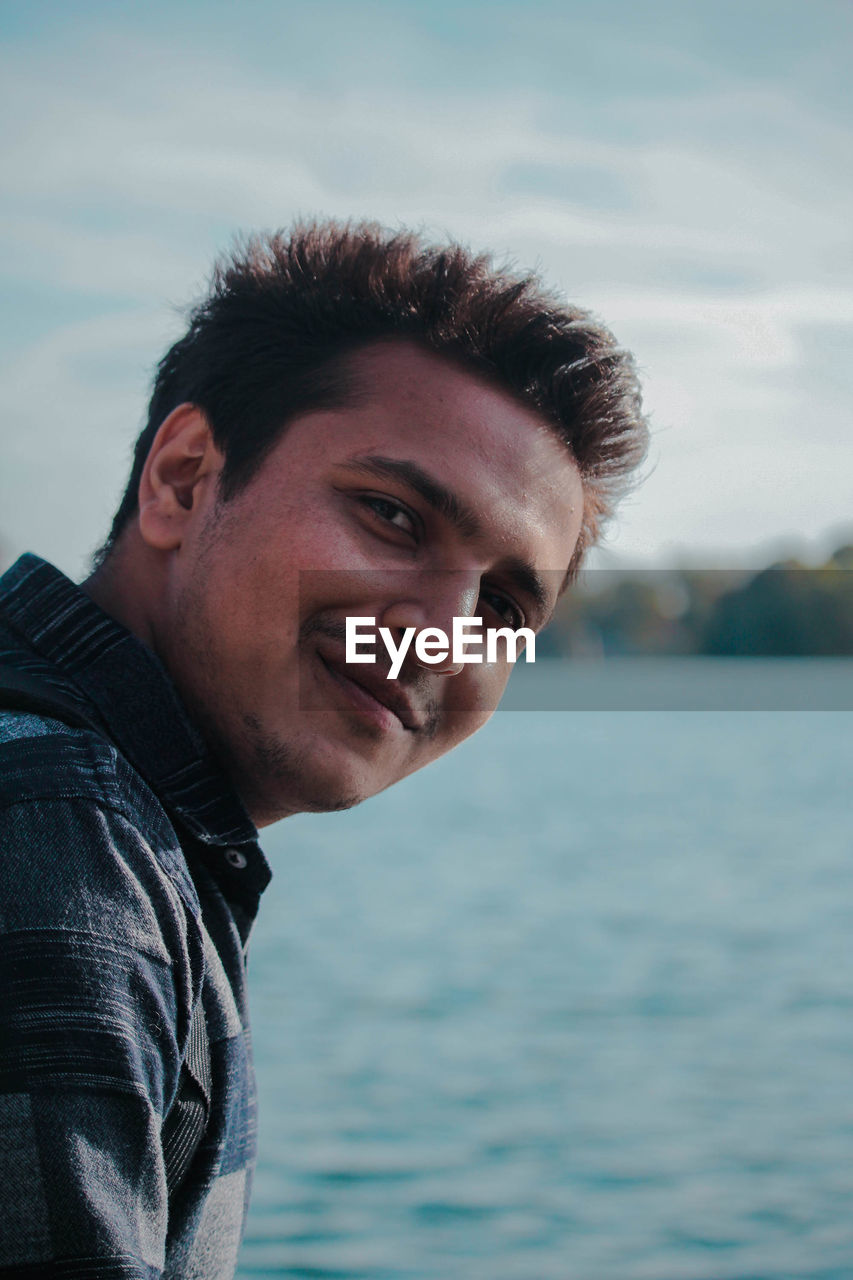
449 505
442 500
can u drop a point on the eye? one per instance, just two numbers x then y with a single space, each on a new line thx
390 512
505 608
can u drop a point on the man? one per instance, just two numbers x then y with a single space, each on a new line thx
355 424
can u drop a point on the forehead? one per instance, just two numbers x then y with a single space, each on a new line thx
504 456
498 459
401 381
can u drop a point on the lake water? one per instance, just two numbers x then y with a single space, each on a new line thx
575 1003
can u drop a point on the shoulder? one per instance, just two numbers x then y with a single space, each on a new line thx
79 825
42 758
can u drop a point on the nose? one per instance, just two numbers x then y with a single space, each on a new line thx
436 600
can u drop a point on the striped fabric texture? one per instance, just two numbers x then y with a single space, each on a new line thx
112 929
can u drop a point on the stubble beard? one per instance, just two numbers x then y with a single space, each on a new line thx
272 777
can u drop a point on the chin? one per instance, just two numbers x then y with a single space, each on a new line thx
272 802
327 790
276 779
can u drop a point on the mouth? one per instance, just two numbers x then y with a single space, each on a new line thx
380 701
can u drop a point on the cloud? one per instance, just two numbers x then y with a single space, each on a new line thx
713 234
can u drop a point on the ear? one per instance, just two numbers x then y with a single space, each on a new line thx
182 464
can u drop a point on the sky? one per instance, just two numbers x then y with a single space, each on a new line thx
682 169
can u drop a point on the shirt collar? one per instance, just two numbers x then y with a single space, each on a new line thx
134 696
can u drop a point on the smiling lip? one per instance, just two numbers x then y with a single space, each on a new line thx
379 699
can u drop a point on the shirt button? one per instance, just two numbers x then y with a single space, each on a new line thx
236 859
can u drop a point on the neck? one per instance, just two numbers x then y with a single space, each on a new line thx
121 586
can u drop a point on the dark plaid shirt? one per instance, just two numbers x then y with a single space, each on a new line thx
110 933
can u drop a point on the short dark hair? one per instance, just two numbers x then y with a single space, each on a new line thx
270 340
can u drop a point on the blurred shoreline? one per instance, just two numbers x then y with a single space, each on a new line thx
785 610
666 682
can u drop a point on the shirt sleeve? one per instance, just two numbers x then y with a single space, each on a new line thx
97 985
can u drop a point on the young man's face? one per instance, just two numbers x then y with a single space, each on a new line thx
435 496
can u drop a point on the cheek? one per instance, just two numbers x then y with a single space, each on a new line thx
463 726
257 584
236 617
472 704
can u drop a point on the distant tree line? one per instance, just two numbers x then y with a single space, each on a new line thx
785 610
